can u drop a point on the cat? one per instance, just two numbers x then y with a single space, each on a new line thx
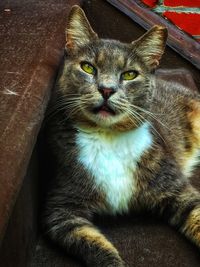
122 140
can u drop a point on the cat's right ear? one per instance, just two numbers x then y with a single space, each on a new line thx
151 45
79 32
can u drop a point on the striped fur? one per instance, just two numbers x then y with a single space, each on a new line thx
140 155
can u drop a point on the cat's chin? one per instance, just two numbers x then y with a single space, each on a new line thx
105 114
104 110
104 118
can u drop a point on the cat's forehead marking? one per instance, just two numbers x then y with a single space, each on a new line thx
112 56
101 57
120 60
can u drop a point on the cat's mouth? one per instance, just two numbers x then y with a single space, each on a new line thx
104 110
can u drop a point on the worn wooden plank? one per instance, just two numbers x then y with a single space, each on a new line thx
31 47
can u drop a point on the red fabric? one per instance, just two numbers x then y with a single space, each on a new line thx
150 3
185 3
188 22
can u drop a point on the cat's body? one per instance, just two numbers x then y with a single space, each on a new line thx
119 150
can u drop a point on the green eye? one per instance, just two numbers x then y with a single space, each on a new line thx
88 68
129 75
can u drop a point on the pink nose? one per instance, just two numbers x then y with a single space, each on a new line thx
106 92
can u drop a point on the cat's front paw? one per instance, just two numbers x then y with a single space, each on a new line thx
117 264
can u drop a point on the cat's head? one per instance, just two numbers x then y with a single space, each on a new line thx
106 82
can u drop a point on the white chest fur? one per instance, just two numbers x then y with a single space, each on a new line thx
111 159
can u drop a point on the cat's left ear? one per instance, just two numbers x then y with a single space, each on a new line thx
150 47
79 32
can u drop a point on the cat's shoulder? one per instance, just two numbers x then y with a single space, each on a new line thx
173 87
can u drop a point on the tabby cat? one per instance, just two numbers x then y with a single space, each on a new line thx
122 140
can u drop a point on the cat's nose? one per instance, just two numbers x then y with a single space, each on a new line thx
106 92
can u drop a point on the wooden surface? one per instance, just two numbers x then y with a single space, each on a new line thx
21 235
31 47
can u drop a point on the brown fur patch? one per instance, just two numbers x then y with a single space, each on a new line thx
120 61
101 58
92 235
192 226
192 138
194 118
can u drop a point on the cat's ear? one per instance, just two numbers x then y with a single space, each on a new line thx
79 32
151 46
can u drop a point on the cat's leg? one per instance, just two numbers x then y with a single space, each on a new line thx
183 212
78 236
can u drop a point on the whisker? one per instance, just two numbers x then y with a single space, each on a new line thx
123 108
151 115
153 128
63 106
137 116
